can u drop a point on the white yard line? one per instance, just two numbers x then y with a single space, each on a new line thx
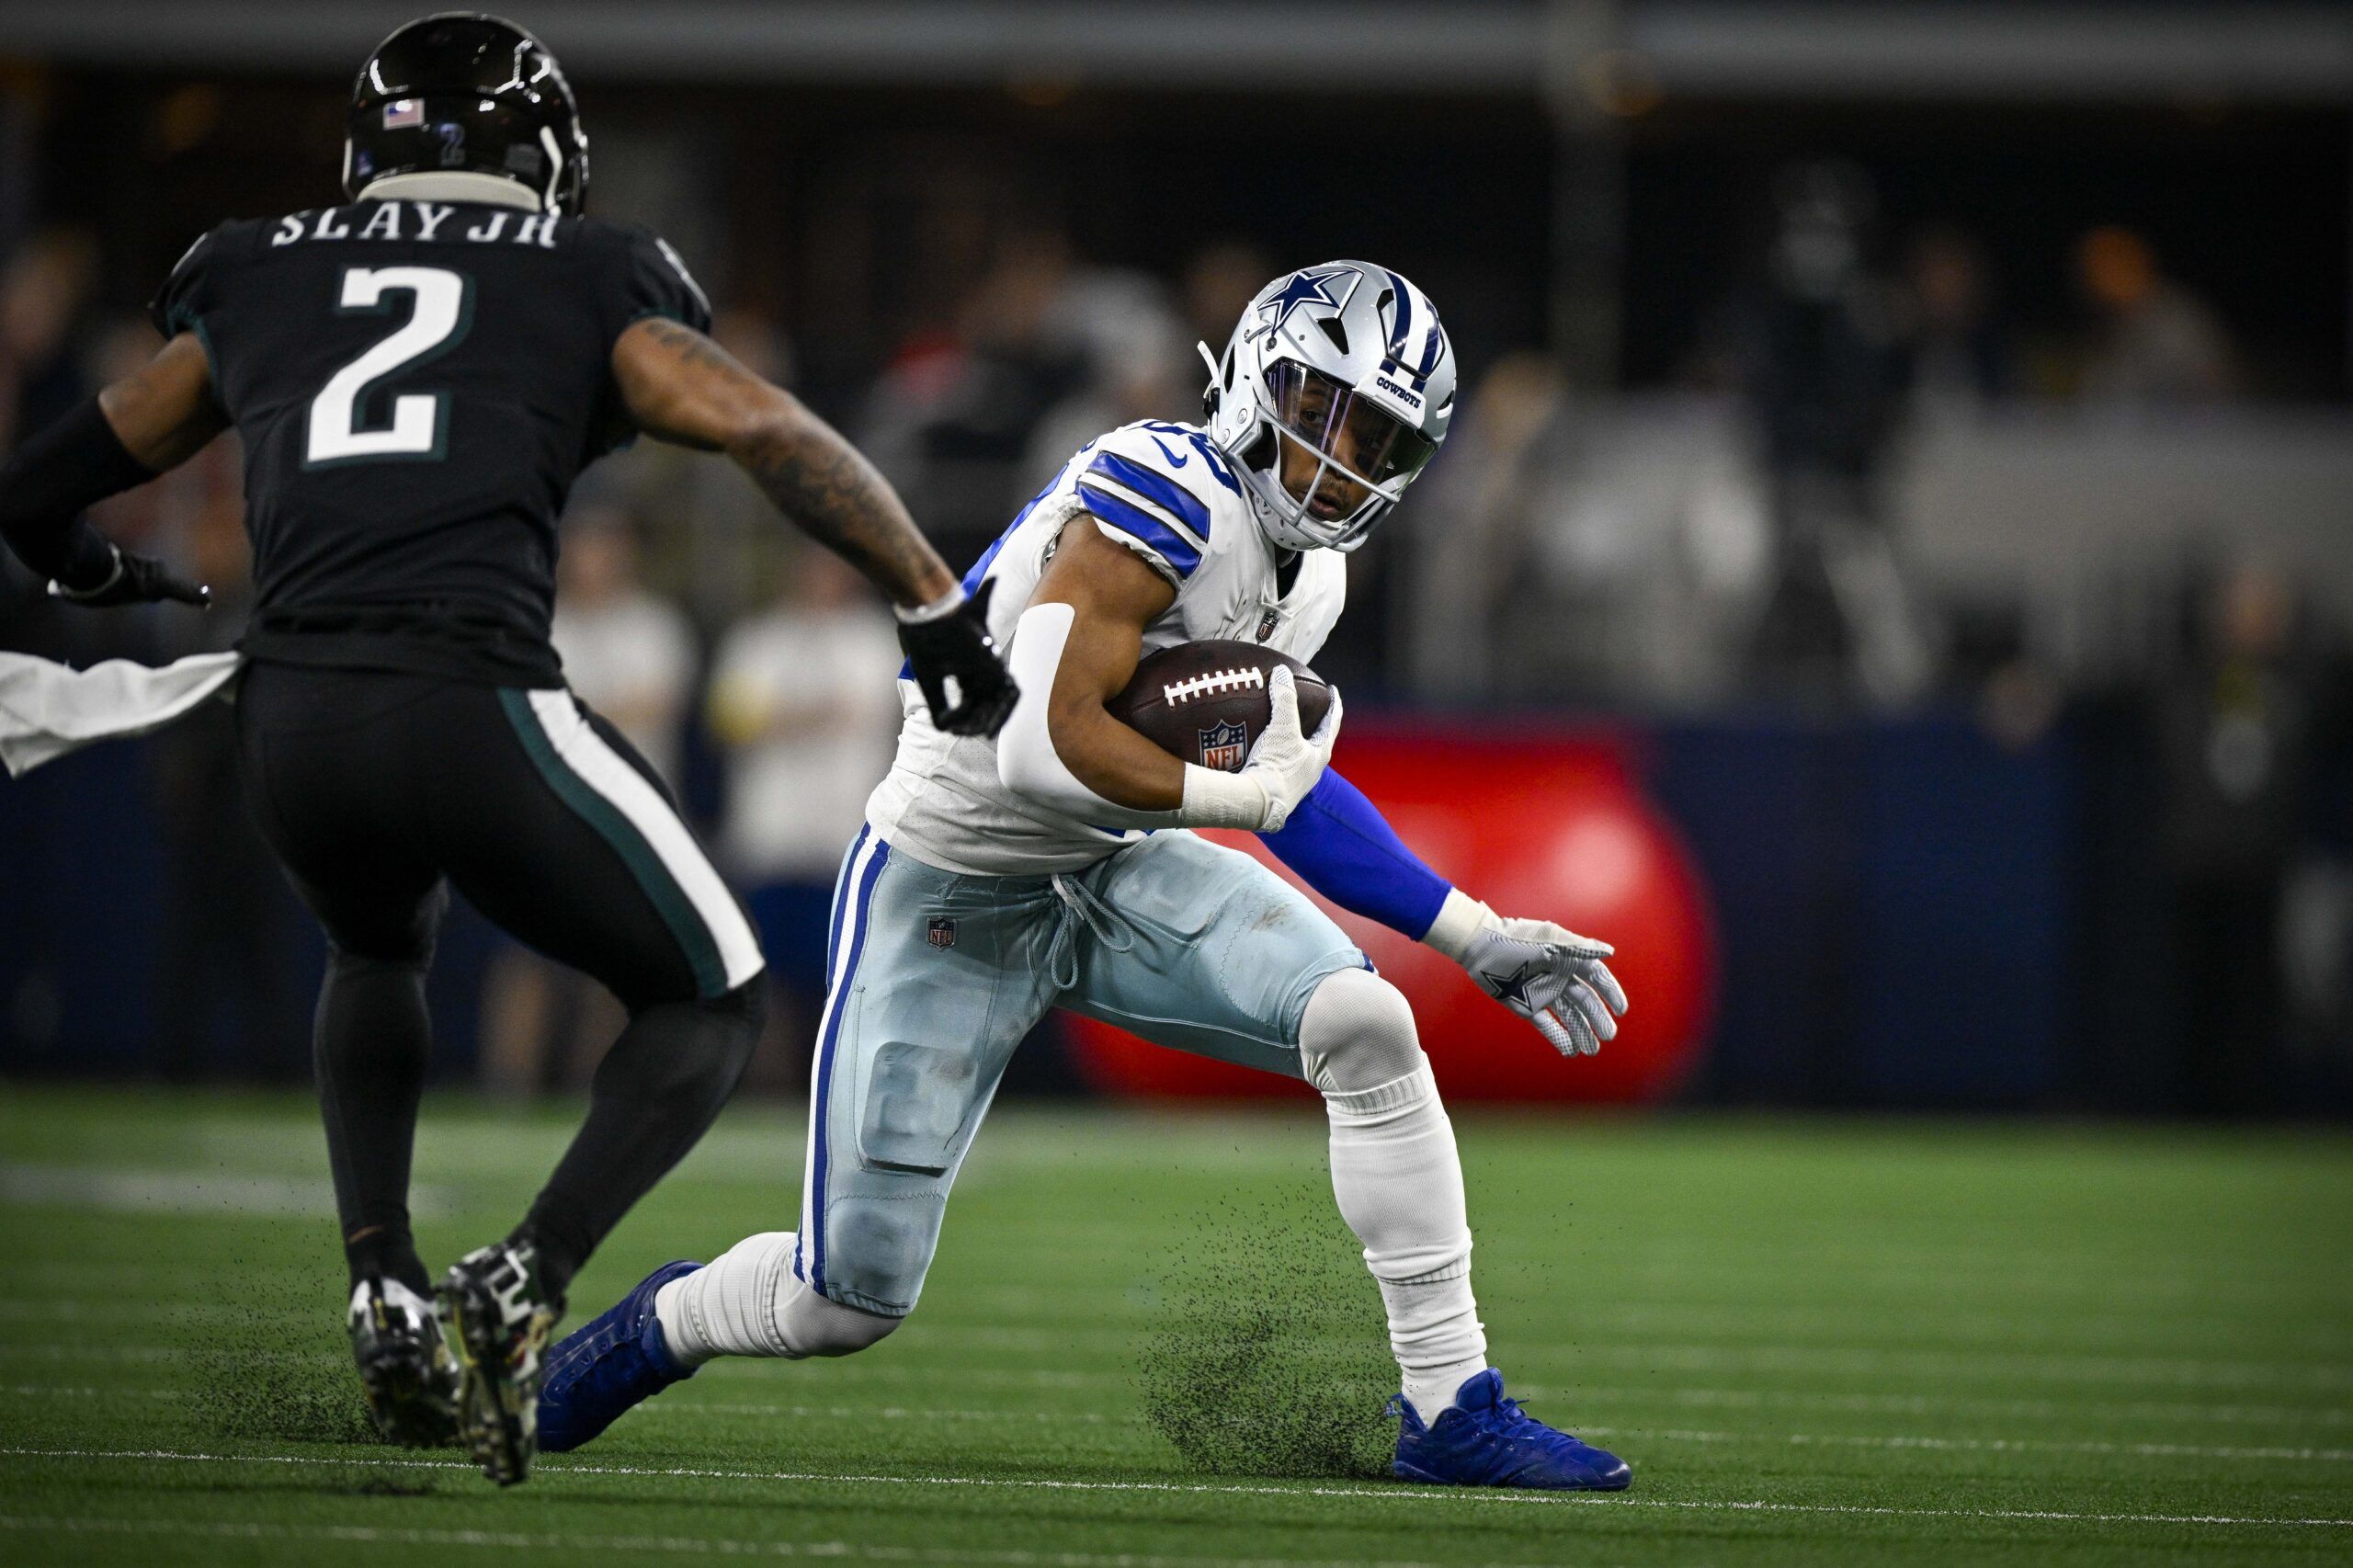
1631 1314
1668 1434
1632 1328
1977 1445
145 1354
194 1193
1604 1280
1956 1404
688 1408
1816 1358
860 1375
699 1546
887 1413
1367 1493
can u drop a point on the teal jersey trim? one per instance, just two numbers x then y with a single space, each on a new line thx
670 900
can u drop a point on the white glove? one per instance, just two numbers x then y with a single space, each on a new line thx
1281 769
1547 974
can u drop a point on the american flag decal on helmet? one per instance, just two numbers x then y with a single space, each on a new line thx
1222 747
403 114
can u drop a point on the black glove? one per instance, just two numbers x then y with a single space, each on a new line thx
136 580
957 647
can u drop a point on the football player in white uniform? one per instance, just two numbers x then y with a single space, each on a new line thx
999 876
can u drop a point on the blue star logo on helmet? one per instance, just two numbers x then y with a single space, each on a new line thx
1310 287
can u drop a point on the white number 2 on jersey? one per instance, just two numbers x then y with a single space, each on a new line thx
438 316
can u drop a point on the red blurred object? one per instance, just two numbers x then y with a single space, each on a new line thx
1543 827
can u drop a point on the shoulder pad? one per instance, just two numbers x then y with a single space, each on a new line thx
1153 484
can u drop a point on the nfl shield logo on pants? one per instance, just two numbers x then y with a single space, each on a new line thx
939 931
1222 747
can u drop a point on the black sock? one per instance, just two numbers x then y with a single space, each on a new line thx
386 1252
370 1045
656 1091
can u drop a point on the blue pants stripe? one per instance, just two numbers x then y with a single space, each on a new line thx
833 947
860 905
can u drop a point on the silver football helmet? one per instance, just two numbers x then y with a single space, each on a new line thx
1334 390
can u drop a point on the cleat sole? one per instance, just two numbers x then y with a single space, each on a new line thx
410 1405
497 1415
408 1379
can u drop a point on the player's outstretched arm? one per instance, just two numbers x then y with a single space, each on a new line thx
1341 846
679 386
155 418
1075 647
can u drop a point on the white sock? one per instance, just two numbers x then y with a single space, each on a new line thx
728 1307
1399 1183
1431 1378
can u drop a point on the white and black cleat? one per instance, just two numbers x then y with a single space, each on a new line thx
406 1372
499 1319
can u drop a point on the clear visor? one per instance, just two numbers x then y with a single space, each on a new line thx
1342 449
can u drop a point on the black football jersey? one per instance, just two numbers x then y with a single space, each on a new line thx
418 384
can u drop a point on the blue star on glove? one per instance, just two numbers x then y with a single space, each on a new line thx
1546 973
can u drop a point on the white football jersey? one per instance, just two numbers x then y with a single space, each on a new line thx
1167 492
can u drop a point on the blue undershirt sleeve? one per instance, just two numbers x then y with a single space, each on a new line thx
1342 846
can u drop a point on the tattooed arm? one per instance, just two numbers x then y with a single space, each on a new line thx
680 386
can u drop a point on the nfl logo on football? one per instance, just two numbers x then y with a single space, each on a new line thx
1222 747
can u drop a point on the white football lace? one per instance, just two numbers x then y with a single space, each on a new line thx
1212 681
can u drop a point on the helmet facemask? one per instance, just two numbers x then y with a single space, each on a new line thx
1334 391
1330 463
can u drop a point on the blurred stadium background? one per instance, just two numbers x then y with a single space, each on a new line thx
1892 574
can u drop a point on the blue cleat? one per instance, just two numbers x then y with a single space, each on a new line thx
1485 1439
609 1364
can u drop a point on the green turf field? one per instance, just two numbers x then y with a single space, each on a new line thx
1817 1341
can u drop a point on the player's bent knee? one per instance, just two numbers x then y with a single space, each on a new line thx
739 1017
696 1049
1358 1033
811 1325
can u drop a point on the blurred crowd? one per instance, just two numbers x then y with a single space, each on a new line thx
1730 540
1738 535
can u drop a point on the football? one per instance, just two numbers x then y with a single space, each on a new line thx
1207 702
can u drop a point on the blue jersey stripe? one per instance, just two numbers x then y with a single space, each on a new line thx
1182 504
1172 546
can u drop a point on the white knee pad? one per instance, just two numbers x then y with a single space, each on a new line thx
811 1325
1357 1034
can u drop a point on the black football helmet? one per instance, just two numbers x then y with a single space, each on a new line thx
467 91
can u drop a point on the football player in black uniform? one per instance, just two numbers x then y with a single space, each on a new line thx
418 376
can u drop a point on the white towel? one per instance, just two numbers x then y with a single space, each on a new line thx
47 709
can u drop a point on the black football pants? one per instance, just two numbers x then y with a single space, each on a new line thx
378 790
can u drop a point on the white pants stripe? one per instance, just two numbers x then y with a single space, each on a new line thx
605 771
